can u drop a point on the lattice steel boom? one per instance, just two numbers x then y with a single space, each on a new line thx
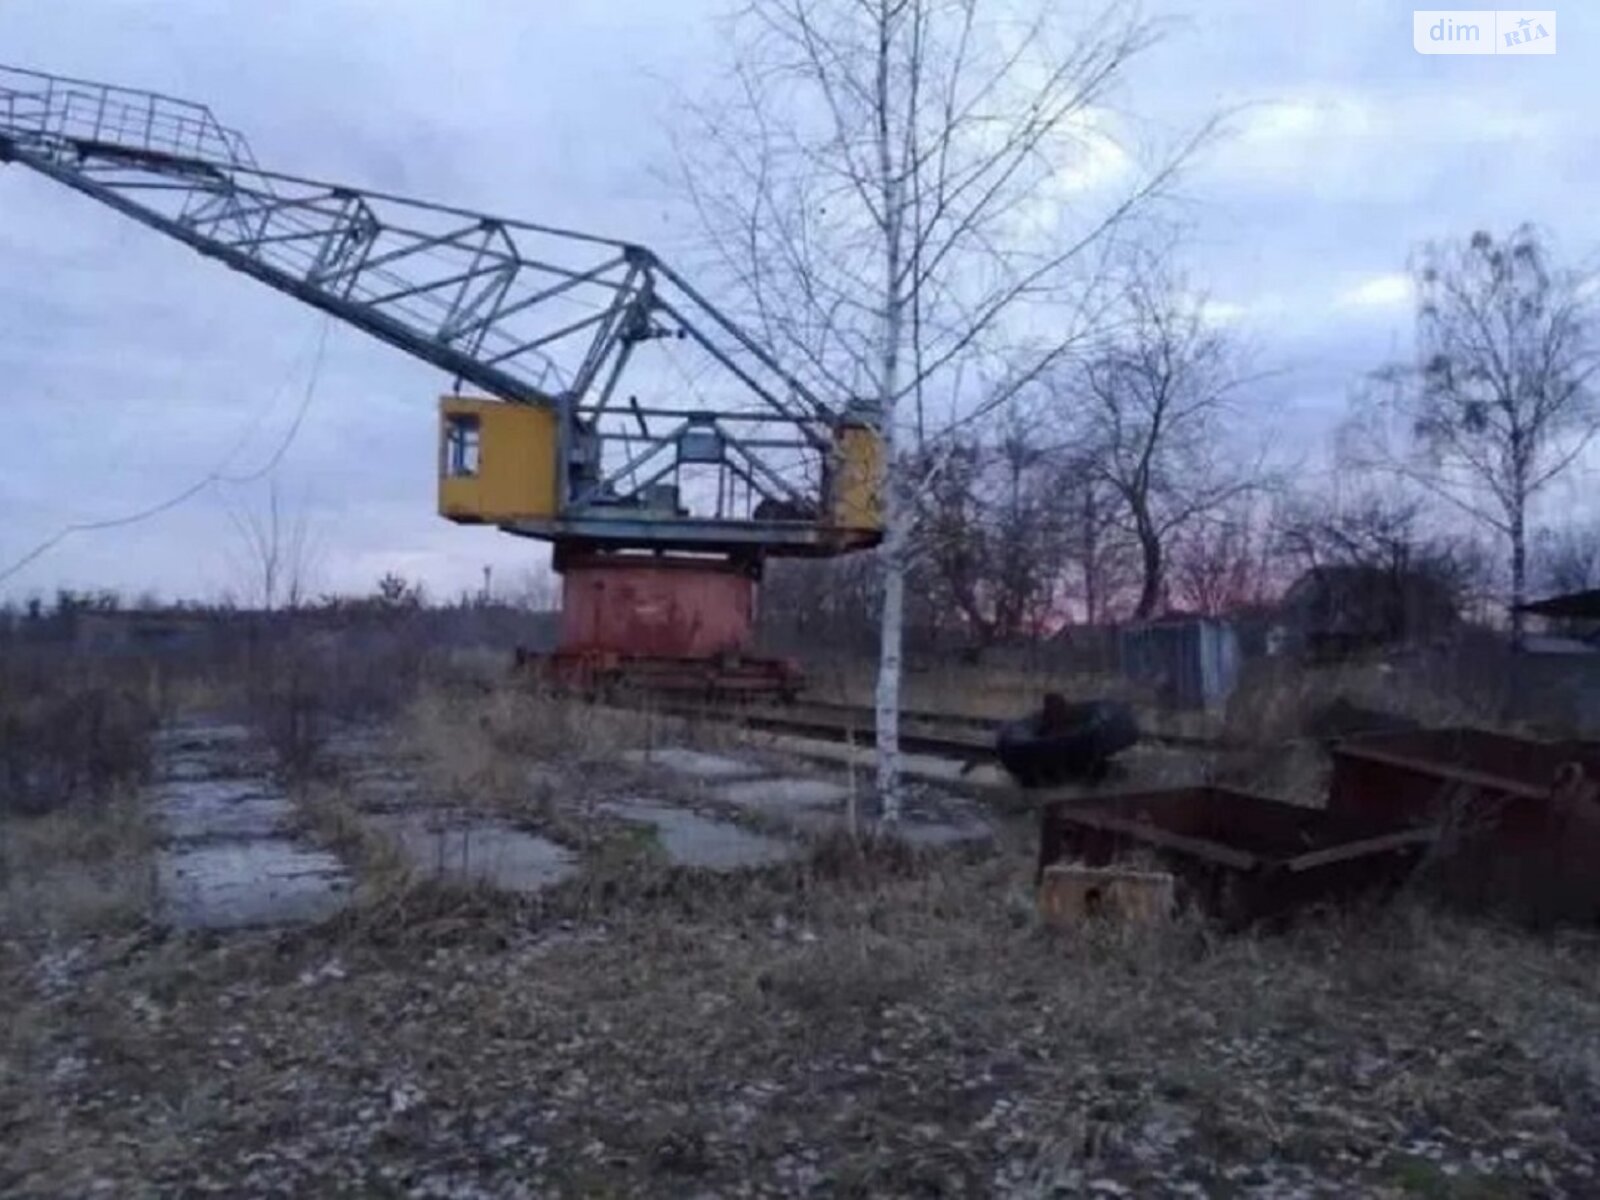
674 428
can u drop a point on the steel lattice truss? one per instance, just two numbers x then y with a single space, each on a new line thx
527 313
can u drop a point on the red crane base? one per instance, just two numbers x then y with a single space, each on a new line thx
661 624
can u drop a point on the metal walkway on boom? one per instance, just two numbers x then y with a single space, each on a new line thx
661 424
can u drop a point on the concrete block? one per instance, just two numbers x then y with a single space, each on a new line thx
1072 894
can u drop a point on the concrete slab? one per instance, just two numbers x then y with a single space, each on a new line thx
202 736
921 830
228 860
819 806
694 763
221 809
223 762
691 840
781 795
238 884
463 848
359 744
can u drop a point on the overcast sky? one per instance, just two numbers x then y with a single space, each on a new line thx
130 367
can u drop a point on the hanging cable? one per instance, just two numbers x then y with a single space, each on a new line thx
294 426
215 475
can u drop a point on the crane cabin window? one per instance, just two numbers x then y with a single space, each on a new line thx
462 445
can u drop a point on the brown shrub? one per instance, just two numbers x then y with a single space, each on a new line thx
68 733
76 867
299 685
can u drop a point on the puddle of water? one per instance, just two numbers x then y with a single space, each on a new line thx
478 850
237 884
691 840
695 763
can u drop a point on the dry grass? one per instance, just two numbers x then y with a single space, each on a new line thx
528 757
866 1026
1271 704
1003 693
75 845
870 1021
70 732
1296 772
1276 697
337 823
469 734
453 740
79 868
983 691
466 753
196 694
1273 708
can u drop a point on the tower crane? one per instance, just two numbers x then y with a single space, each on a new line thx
613 410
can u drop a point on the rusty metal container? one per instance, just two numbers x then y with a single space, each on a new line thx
1239 857
1406 778
656 607
1519 824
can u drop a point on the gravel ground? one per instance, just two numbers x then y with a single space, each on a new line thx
848 1026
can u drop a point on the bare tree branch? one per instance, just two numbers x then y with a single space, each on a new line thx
1501 402
885 185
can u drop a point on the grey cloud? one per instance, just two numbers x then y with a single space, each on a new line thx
130 365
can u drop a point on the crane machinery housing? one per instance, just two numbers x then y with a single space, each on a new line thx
615 412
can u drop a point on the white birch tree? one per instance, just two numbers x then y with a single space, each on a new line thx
914 200
1501 402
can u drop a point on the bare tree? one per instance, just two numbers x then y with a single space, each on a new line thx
992 533
1151 408
899 188
1099 562
395 593
1374 530
1385 535
1222 562
829 603
1499 403
278 550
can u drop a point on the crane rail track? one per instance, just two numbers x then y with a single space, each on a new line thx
966 737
